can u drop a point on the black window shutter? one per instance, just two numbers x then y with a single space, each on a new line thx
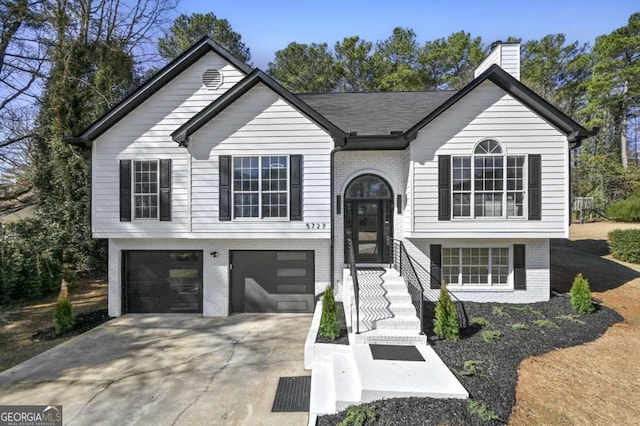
224 188
436 265
444 187
125 190
519 268
535 194
295 187
165 190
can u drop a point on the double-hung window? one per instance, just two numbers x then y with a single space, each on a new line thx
487 266
261 187
145 189
488 183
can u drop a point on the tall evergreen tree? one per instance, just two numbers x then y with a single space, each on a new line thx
305 68
186 30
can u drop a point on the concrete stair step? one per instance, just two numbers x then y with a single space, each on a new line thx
398 323
391 337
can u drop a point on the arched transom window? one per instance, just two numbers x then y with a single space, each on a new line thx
488 183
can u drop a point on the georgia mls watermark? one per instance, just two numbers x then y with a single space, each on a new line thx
30 415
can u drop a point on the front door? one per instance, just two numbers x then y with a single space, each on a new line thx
368 222
368 218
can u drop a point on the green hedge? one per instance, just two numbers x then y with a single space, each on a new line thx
625 244
626 210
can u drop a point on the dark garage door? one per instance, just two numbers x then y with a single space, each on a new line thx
160 281
272 281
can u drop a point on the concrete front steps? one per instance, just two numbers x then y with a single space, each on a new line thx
355 378
387 315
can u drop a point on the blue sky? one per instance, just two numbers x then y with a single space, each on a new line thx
270 25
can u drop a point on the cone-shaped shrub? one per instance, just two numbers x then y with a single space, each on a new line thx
581 295
445 324
329 325
63 315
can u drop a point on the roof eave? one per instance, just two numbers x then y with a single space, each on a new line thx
519 91
153 84
376 142
182 134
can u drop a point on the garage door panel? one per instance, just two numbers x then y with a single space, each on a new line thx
161 281
272 281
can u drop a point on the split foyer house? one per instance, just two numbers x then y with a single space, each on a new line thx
219 191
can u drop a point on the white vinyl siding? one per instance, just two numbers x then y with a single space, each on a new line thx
145 134
488 112
260 124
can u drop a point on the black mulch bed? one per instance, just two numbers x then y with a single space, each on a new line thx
83 322
494 382
343 338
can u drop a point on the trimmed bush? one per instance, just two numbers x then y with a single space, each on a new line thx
625 244
359 415
445 324
581 295
626 210
63 315
329 325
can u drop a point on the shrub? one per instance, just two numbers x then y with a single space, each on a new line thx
626 210
63 315
359 415
519 326
491 335
545 323
482 411
581 295
499 311
445 324
479 322
329 325
625 244
470 367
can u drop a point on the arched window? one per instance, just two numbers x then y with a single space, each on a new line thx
488 183
368 186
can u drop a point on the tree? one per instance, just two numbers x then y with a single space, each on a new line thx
305 68
186 30
614 89
557 71
395 62
92 68
22 63
353 64
450 63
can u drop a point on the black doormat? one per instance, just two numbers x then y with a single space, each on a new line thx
396 353
292 394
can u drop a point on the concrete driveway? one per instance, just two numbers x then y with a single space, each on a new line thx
166 370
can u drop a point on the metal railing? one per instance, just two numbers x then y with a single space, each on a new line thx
401 261
351 261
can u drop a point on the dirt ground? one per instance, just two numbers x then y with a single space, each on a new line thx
19 323
596 383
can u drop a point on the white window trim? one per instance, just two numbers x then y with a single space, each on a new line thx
505 191
287 191
508 287
133 191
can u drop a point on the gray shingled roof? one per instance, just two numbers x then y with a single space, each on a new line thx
376 113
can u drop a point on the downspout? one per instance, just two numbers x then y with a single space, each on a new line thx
332 207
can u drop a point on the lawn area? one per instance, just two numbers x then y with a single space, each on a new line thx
18 324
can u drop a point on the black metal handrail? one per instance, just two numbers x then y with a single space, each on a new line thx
351 260
401 261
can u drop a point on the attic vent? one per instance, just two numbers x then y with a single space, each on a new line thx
212 79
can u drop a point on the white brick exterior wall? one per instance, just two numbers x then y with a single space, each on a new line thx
215 270
392 166
536 261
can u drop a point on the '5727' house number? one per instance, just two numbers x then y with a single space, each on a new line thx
316 225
